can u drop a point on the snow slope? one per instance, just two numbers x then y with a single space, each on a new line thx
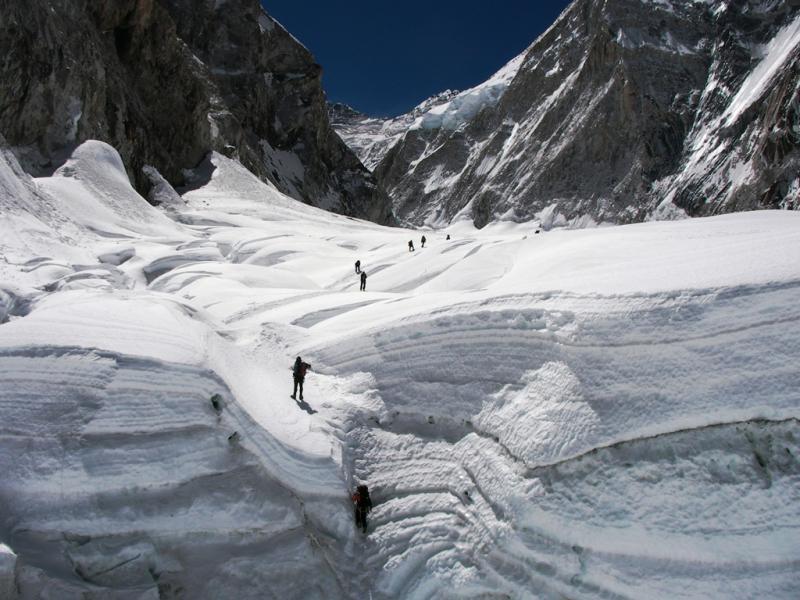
371 138
604 413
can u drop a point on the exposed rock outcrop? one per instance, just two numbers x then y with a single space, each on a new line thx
167 81
622 110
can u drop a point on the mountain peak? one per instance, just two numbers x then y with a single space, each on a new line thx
621 111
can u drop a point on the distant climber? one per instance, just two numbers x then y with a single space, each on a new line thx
423 240
410 245
362 504
358 266
363 281
448 236
299 371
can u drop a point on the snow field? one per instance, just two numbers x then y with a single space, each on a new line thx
584 414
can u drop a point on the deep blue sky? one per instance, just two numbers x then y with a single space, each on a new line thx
383 58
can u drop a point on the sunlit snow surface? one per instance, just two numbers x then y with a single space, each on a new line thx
604 413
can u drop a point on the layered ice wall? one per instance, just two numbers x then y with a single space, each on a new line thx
600 435
597 413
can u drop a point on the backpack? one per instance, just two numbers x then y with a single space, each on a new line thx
299 369
362 498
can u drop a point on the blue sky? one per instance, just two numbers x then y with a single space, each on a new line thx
383 58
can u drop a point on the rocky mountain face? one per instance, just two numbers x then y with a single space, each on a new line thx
623 110
167 81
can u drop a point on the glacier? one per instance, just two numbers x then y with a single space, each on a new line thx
606 412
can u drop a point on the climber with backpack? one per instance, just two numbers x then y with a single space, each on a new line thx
299 372
362 504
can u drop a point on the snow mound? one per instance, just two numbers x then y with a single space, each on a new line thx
93 189
33 224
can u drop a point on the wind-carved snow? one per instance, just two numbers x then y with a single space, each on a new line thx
595 413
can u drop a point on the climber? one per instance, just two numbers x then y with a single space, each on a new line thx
299 371
362 504
423 240
410 245
363 281
358 266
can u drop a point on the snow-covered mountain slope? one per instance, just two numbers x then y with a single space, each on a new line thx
167 81
596 413
621 111
372 137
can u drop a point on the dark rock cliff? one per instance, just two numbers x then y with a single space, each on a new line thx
165 82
